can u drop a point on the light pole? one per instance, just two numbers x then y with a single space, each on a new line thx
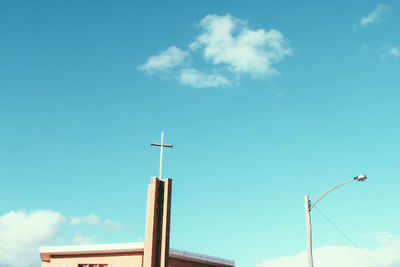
308 208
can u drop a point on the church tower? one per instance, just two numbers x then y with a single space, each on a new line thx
158 214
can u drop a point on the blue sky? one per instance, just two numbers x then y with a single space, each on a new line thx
264 102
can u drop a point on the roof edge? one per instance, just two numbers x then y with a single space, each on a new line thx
202 258
47 252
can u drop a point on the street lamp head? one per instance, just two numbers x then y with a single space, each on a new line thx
361 178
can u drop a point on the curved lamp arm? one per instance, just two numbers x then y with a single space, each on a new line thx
307 203
359 178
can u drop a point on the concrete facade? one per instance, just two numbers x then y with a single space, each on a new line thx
127 254
121 255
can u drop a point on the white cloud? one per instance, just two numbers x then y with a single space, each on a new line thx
164 61
21 233
393 52
227 46
198 79
94 219
227 40
386 255
375 15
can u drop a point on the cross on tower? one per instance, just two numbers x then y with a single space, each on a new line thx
162 145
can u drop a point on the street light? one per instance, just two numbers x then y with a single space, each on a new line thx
308 208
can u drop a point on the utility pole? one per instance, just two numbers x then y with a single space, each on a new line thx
307 206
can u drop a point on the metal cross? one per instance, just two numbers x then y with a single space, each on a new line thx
162 145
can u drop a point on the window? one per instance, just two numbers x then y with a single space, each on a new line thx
92 265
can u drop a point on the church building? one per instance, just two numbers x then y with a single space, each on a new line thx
154 252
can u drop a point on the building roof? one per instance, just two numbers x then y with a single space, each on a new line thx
47 252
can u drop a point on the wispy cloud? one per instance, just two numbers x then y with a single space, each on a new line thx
94 219
386 255
164 61
375 15
395 51
90 219
113 225
229 49
392 52
79 239
197 79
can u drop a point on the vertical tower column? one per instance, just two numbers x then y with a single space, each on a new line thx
158 214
